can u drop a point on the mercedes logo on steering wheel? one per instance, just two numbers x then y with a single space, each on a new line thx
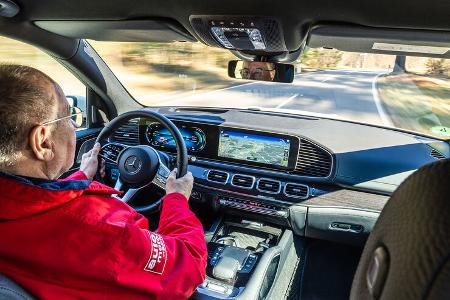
133 164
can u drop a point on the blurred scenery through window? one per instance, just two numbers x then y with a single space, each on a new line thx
412 93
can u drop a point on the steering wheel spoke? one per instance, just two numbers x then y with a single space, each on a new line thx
130 193
161 175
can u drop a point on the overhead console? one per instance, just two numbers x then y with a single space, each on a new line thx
240 32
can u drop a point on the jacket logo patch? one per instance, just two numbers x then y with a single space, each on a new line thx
158 254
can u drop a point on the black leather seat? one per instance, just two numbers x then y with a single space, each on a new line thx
9 290
407 255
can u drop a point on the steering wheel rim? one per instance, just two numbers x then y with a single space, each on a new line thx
182 156
114 124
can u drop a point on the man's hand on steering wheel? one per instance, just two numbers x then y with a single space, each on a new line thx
89 163
182 185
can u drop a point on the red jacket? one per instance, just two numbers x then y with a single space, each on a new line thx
71 240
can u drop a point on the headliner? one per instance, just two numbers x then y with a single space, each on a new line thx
297 16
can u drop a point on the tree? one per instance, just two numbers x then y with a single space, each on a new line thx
437 66
321 58
400 64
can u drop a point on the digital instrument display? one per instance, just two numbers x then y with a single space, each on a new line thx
159 136
262 149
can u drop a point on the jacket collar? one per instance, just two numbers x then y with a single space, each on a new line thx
20 197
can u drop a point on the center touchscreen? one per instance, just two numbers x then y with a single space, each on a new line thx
262 149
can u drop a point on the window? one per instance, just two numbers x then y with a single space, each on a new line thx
406 92
12 51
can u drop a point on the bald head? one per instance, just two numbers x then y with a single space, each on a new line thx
27 98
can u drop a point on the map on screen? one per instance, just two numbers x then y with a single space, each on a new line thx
255 148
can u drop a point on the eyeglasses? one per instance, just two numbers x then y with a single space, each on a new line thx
76 115
256 74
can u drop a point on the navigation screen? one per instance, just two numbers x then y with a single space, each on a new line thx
255 148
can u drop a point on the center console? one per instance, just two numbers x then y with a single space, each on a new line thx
243 259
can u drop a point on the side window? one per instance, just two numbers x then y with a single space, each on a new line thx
12 51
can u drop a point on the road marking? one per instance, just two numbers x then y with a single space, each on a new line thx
376 98
286 101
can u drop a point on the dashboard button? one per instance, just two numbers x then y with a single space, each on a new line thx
196 196
217 288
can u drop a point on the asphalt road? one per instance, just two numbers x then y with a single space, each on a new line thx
337 94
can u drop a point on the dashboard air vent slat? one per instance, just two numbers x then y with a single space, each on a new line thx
218 176
296 190
127 134
436 154
269 186
313 161
243 181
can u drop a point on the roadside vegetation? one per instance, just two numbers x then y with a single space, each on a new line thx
154 72
12 51
419 99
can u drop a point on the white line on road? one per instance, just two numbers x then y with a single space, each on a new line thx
286 101
376 98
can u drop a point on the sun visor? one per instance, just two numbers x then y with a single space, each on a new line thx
120 31
382 41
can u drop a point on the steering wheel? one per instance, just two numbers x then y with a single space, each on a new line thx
141 166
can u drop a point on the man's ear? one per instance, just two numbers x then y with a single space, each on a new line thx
40 143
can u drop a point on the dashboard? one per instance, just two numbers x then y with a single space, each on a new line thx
324 178
296 171
229 144
279 166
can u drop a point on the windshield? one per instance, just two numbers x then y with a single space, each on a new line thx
411 93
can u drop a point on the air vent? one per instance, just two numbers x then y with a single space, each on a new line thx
218 176
243 181
269 186
296 190
313 161
127 134
436 154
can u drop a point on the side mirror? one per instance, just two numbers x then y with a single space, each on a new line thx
78 103
262 71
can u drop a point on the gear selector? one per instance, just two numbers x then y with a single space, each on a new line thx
226 269
231 260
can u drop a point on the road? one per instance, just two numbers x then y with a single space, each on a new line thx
337 94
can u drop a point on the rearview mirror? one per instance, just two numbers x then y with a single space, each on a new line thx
262 71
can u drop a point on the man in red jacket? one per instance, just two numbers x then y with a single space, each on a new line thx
66 239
